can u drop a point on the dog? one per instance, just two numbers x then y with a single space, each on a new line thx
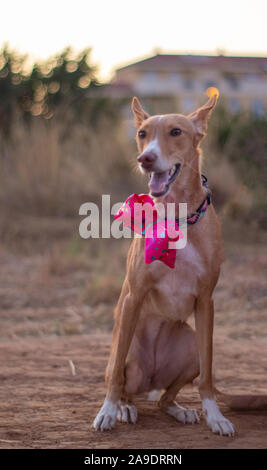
153 348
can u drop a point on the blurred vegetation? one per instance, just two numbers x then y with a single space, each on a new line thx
61 145
239 141
58 86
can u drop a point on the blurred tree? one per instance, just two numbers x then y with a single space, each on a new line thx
57 86
64 79
13 85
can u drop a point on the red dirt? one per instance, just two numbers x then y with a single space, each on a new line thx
43 405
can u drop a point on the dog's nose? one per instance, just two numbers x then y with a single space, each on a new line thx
147 160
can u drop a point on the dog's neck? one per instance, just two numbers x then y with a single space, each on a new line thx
188 186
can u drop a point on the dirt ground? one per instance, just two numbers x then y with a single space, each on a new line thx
54 349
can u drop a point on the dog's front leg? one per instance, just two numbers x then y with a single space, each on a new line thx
204 328
126 319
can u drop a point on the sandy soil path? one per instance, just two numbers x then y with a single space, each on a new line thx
43 405
46 321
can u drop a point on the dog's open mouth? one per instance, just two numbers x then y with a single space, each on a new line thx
159 183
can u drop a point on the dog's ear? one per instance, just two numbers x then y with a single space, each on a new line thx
199 118
139 113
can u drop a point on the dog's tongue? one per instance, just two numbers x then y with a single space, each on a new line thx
158 181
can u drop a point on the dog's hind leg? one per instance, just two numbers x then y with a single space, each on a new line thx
169 405
127 412
182 355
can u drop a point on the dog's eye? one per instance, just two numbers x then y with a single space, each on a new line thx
142 134
174 132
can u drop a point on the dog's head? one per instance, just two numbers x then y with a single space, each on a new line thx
168 143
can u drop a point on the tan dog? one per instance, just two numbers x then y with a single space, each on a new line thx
153 348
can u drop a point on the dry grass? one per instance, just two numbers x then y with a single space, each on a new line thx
47 171
51 168
64 294
229 193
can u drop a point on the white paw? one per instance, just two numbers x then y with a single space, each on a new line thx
215 420
127 414
106 418
183 415
222 426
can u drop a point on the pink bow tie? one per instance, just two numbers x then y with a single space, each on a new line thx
157 232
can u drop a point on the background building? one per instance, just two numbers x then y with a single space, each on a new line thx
178 82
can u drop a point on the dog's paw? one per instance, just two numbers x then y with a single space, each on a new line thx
222 426
106 417
127 413
215 420
183 415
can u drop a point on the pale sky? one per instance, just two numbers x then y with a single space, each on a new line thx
121 31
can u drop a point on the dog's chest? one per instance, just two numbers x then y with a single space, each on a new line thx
175 289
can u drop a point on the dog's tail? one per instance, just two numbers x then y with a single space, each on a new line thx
242 402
